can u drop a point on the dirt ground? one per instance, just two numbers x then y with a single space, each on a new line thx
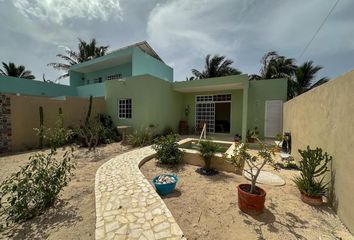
73 216
205 207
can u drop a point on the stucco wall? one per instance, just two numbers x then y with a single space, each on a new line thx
25 116
324 117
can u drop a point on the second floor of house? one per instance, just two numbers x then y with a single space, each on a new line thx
133 60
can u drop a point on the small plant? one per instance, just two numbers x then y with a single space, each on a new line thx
109 132
207 150
167 151
167 131
313 166
89 133
237 159
142 138
36 186
252 135
255 163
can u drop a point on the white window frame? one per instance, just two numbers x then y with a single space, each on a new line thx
126 107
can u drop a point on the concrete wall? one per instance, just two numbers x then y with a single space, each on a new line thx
324 117
25 116
124 69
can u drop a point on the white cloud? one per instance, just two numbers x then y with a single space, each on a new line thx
58 11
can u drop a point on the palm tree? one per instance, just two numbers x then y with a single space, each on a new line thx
217 66
12 70
87 51
304 78
275 66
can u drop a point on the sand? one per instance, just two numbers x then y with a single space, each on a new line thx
205 207
73 216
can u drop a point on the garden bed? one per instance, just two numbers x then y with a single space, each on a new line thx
205 207
73 216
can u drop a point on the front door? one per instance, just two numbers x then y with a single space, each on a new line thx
273 118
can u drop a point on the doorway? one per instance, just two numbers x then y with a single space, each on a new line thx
222 117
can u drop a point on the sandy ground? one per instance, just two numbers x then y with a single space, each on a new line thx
205 207
73 216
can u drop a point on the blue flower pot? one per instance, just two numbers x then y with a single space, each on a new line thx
164 189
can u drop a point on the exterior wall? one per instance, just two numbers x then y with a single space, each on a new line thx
33 87
5 123
259 92
153 102
323 117
145 64
236 108
25 116
125 70
96 90
76 78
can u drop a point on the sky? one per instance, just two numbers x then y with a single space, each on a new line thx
182 32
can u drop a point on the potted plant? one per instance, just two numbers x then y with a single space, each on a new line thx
252 135
237 138
251 198
207 150
183 124
278 141
311 183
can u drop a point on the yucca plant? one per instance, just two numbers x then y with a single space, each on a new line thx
313 166
207 150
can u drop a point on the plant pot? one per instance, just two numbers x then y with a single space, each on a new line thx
311 200
252 204
251 140
165 189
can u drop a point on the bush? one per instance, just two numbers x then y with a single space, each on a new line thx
109 132
167 131
141 138
207 149
54 137
312 166
167 151
89 133
36 186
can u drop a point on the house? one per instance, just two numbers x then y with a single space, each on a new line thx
138 90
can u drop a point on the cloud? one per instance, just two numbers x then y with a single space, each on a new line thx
59 11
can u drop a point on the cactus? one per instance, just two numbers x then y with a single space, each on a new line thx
89 111
41 120
61 118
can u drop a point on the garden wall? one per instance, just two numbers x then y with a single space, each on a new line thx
25 116
324 117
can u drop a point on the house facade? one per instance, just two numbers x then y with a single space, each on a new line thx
139 91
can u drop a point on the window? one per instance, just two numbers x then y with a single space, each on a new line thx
98 80
214 98
125 108
114 76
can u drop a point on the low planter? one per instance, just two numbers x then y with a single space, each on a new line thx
251 140
311 200
252 204
165 183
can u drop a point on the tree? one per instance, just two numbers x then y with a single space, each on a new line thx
275 66
216 66
12 70
87 51
305 76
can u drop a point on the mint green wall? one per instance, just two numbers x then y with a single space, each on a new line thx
76 78
96 90
145 64
34 87
153 102
259 92
124 69
236 108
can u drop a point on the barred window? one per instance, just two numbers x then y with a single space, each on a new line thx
125 108
114 76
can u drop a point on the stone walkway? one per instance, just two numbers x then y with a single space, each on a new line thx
127 206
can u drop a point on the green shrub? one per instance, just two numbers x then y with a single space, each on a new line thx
207 150
36 186
167 131
89 133
167 151
313 166
109 132
237 159
141 138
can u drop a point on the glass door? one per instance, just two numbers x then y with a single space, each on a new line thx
205 113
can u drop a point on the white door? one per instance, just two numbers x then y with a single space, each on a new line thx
273 118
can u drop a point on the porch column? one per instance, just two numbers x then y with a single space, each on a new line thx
244 110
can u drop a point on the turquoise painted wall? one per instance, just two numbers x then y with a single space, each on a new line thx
145 64
75 78
259 92
125 70
153 102
34 87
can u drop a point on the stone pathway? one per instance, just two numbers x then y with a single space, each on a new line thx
127 206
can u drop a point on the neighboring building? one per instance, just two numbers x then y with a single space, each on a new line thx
139 90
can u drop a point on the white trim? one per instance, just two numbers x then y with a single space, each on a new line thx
131 108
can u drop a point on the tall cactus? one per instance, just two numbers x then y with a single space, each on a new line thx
41 120
89 111
61 117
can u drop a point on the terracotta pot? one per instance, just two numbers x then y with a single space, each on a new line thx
251 140
252 204
311 200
